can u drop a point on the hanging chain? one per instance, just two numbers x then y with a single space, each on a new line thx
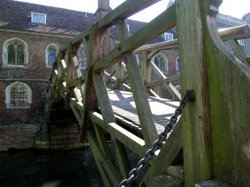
144 162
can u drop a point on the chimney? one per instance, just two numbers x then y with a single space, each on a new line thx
246 18
103 8
104 4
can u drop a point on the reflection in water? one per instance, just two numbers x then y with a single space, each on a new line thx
32 168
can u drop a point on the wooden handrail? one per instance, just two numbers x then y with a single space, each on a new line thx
238 32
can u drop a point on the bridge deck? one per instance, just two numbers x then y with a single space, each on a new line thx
123 105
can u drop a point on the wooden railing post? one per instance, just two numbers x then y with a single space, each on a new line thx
195 121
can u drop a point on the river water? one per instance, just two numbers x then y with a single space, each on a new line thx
33 168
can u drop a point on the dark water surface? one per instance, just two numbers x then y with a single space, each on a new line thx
33 168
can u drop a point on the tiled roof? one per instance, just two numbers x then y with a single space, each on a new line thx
227 21
16 15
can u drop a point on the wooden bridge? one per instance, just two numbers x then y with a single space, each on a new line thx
120 108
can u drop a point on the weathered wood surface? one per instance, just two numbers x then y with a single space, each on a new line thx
138 90
196 122
127 138
237 32
216 127
167 154
123 104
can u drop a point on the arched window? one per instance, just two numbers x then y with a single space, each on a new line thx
82 57
177 65
50 54
161 62
18 96
15 53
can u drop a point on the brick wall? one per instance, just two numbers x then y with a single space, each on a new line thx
24 123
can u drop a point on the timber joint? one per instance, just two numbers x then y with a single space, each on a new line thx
190 94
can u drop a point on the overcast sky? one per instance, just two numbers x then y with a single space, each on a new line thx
235 8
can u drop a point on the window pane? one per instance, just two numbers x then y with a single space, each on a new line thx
85 59
38 18
52 56
11 54
82 57
19 96
177 66
20 55
160 63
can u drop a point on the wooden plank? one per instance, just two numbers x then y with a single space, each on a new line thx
123 105
90 101
237 32
146 73
141 100
109 117
130 140
138 90
122 158
161 81
99 164
229 103
103 98
158 46
170 87
102 142
167 154
144 35
237 50
108 166
77 94
145 69
123 85
195 119
77 67
119 73
77 112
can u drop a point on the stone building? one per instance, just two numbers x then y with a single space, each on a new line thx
30 37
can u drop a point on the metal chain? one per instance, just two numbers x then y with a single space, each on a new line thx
144 162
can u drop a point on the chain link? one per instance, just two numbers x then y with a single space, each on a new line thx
144 162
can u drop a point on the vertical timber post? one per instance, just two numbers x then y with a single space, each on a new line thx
195 121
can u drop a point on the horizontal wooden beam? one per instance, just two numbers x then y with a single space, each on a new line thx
161 81
158 46
122 12
127 138
238 32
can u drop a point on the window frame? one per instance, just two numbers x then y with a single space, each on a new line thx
54 46
242 42
33 20
83 62
168 35
5 53
8 96
166 65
